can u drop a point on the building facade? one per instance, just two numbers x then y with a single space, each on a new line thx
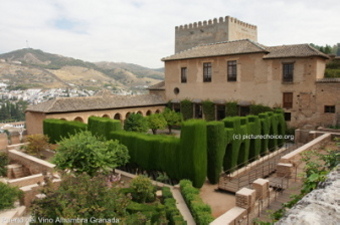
81 108
221 61
244 71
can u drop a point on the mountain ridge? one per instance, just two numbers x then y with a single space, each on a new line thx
48 70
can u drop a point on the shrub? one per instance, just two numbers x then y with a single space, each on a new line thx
187 109
136 122
8 195
257 109
36 144
231 109
200 211
85 153
143 189
3 163
208 110
172 213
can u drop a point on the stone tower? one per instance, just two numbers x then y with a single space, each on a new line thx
223 29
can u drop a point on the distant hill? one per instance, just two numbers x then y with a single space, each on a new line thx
28 68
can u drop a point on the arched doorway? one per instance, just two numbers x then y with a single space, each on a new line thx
106 116
117 116
157 111
140 112
79 119
148 113
127 115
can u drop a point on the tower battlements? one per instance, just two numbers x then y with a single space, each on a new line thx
215 21
213 30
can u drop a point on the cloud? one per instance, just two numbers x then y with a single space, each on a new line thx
142 31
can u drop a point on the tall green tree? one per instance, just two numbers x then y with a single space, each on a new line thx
156 121
80 196
136 122
85 153
172 118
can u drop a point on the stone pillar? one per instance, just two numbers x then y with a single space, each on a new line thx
261 187
245 198
284 170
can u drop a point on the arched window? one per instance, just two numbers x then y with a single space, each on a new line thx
79 119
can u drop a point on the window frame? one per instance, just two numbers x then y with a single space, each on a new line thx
184 74
329 109
287 104
288 72
232 70
207 72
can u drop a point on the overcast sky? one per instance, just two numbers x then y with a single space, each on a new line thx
142 31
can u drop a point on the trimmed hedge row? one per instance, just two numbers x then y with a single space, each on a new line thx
208 110
200 211
172 213
187 108
240 140
101 126
56 129
184 158
216 149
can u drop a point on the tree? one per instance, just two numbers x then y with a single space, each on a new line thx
80 196
156 121
172 118
8 195
85 153
36 144
143 189
136 122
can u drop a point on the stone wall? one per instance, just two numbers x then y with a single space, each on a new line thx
321 206
34 164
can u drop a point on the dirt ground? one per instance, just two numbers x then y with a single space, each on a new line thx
220 202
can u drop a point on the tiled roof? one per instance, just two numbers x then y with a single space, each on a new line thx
293 51
158 86
218 49
329 80
95 103
247 46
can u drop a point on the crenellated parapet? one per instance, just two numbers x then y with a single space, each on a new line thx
213 30
216 21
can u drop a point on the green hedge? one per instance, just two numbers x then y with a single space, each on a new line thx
56 129
200 211
100 126
257 109
187 108
208 110
233 125
231 109
254 128
193 152
179 158
215 149
172 213
151 152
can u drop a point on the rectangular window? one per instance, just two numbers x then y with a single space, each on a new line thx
183 75
287 72
329 108
288 116
232 70
207 72
287 100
